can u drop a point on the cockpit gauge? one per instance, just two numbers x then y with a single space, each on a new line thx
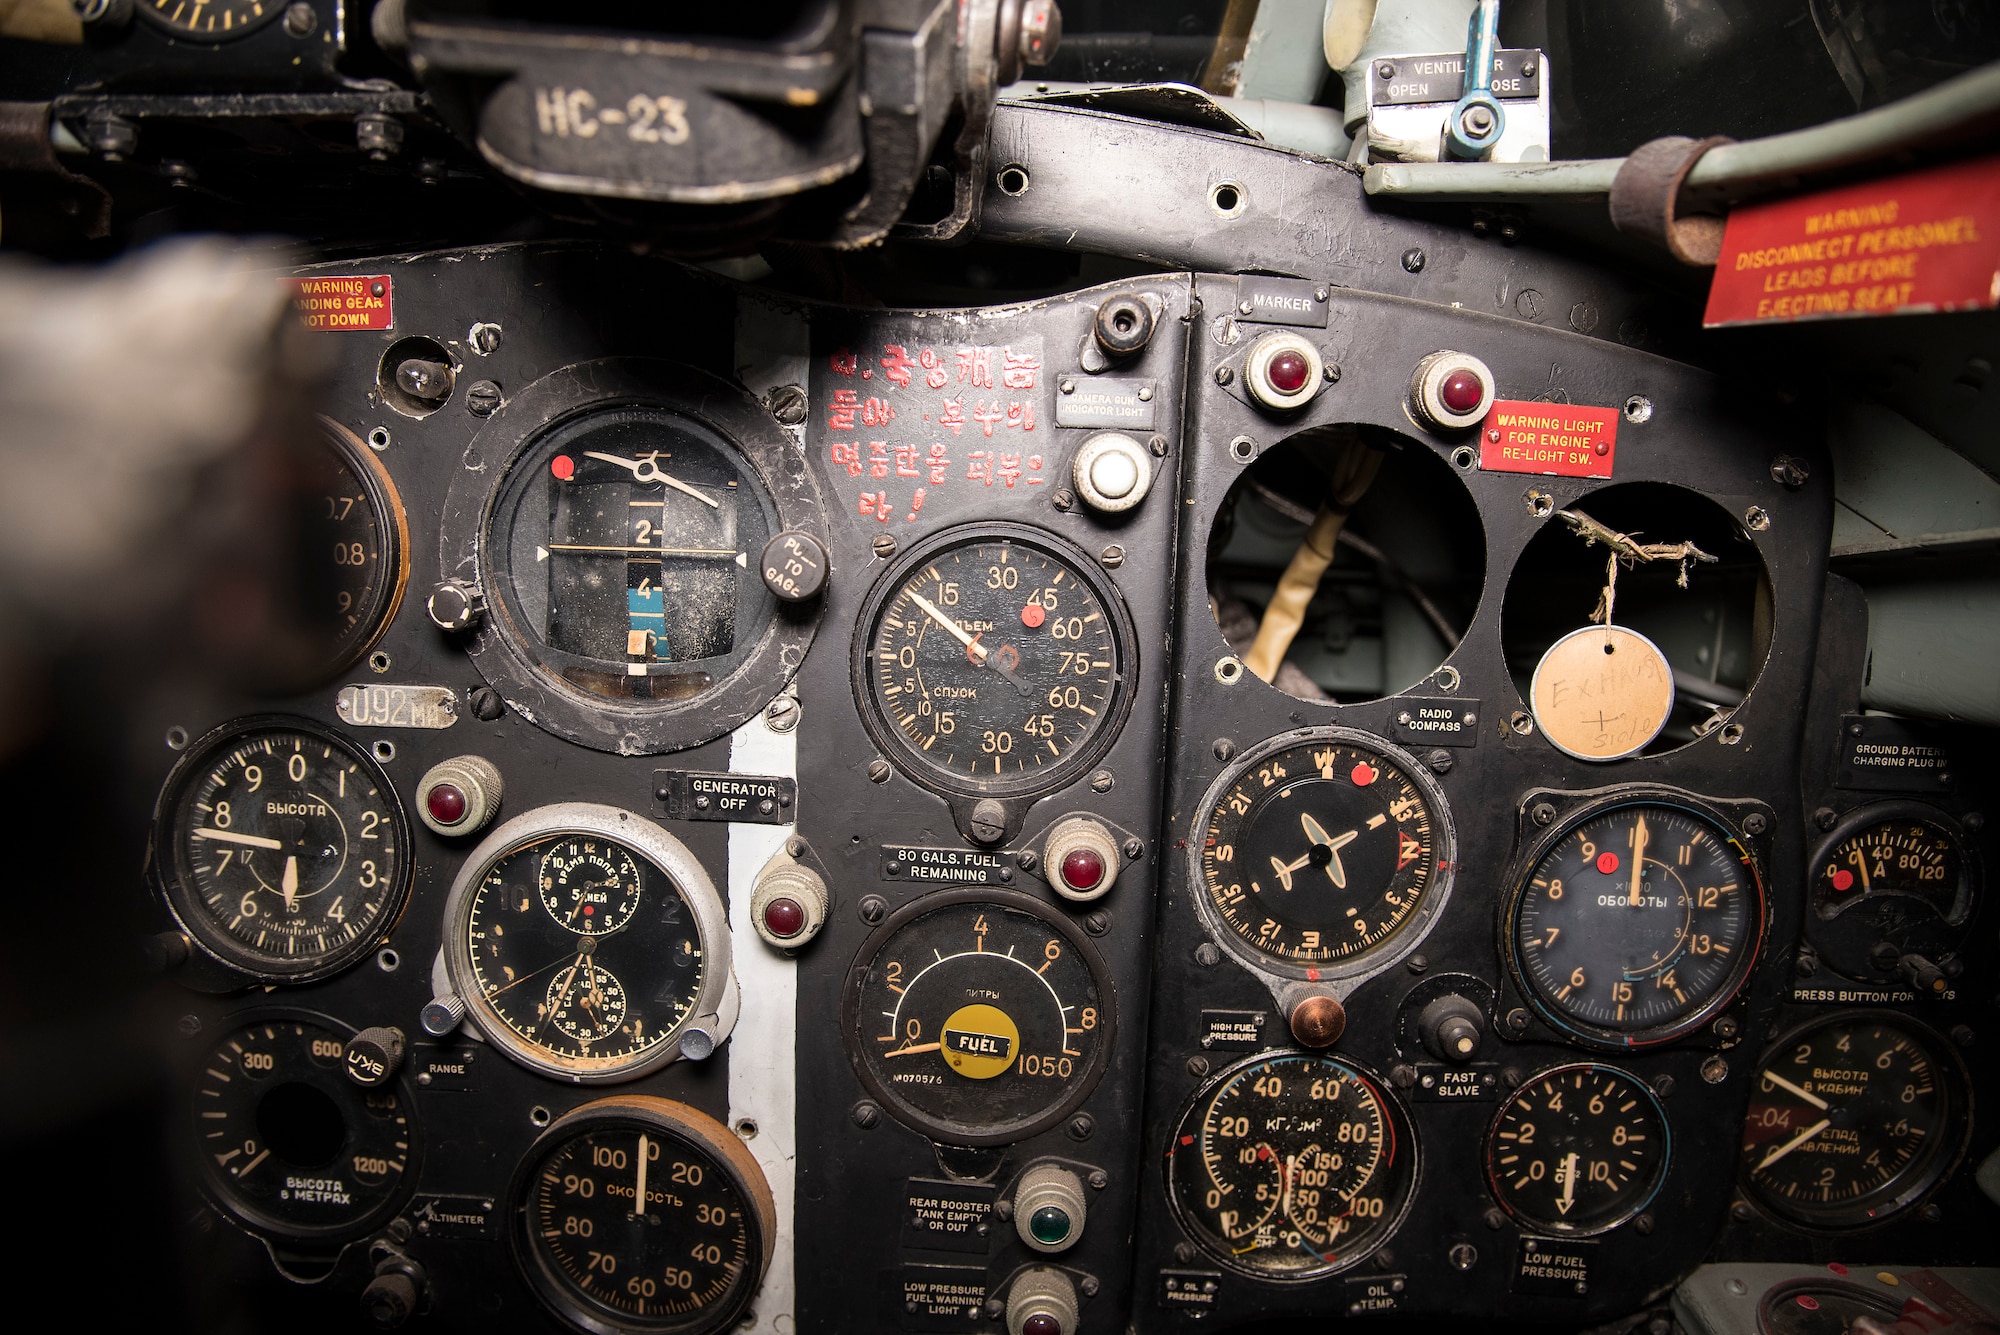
977 1018
288 1145
1323 850
641 1214
1853 1118
1636 922
1291 1167
1578 1150
994 659
355 544
588 944
614 516
281 848
210 20
1893 888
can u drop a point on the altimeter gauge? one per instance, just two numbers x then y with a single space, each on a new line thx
588 944
281 848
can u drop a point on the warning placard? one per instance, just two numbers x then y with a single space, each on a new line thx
1563 439
345 301
1928 241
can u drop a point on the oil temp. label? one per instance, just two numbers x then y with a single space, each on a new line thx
954 866
948 1216
1375 1293
345 301
1552 439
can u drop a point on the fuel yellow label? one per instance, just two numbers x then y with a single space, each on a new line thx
980 1041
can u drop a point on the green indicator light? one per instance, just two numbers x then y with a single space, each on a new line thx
1050 1224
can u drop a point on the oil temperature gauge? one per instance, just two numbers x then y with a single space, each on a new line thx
976 1018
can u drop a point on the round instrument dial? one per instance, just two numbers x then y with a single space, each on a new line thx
976 1018
629 539
994 661
281 848
1891 880
1636 922
288 1145
1854 1118
586 942
642 1214
1578 1150
353 560
1323 847
210 20
1291 1167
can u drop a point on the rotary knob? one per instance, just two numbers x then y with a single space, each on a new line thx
455 606
373 1056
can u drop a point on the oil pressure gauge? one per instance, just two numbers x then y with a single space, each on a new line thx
977 1018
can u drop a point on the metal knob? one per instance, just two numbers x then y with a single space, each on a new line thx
1112 472
441 1015
1318 1021
1041 1302
794 566
1049 1207
455 606
1451 1027
374 1054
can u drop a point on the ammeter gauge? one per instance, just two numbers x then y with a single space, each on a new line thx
588 944
288 1145
1323 850
1291 1167
1893 887
977 1018
1578 1150
641 1214
281 848
1853 1118
1636 922
994 659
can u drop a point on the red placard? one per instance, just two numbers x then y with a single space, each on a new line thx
1928 241
345 301
1562 439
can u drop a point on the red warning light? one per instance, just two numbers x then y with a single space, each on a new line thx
1364 774
1462 390
1843 879
563 467
1032 616
1287 372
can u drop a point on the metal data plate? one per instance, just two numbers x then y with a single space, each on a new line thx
1409 97
397 706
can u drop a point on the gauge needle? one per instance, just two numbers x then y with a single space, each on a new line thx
1316 832
231 837
1796 1141
913 1051
288 885
568 987
639 1194
1639 835
1568 1175
1860 862
973 649
648 470
1785 1084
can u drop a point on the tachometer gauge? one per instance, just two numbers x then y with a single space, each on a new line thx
1291 1167
641 1214
1854 1118
977 1018
210 20
1637 922
288 1145
587 943
1323 849
1578 1150
994 660
281 848
1893 886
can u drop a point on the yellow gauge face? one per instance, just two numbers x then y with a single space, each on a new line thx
1318 852
994 665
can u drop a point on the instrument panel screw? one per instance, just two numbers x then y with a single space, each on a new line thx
1464 1256
1974 822
1101 781
884 546
1789 472
865 1115
1715 1070
1741 1210
1098 923
1418 963
782 714
1962 1035
788 404
1223 375
1081 1127
1385 71
1319 294
1087 1286
1494 1219
1066 385
995 1309
300 20
1643 1225
1825 818
1413 260
1159 446
1063 500
1930 1214
1402 1075
1197 1067
1099 1179
1184 1252
1755 823
1331 370
1208 954
1112 556
1544 813
873 908
1440 761
1517 1021
988 823
189 1025
1757 519
878 771
1223 748
483 398
1134 849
